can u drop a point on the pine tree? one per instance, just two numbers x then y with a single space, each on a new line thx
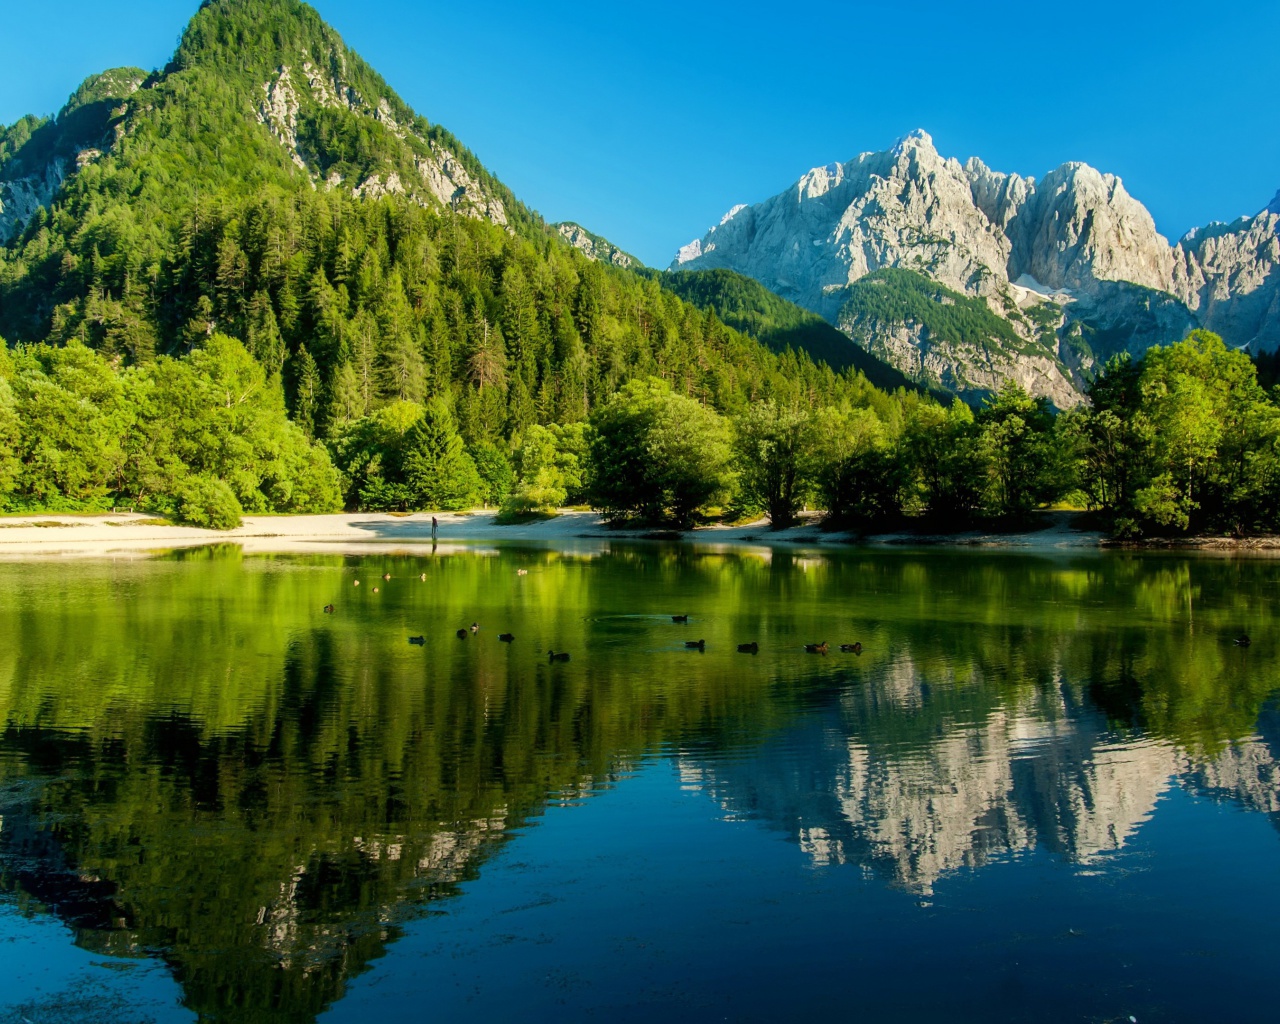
439 472
307 391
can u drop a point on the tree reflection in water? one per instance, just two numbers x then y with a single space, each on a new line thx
197 763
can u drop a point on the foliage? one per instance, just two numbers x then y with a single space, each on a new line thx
1023 457
496 475
550 466
895 296
748 306
1187 441
86 436
438 471
944 469
773 449
857 476
656 455
208 502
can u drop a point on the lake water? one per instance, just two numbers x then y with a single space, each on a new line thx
1047 789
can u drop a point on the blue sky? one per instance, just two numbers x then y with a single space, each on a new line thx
647 122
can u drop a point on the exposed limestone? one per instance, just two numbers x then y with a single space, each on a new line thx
593 246
377 186
453 186
327 90
279 112
960 368
443 178
20 199
1076 238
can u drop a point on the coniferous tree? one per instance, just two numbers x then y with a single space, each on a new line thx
438 471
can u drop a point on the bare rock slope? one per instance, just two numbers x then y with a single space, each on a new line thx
1072 267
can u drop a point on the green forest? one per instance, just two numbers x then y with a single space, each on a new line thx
201 325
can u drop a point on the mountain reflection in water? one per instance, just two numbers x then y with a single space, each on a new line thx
198 764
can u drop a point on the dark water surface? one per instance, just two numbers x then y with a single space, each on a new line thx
1046 790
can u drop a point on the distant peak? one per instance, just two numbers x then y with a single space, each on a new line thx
918 139
1275 205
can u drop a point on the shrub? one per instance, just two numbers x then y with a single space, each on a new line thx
209 503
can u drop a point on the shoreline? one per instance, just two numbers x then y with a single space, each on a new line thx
139 535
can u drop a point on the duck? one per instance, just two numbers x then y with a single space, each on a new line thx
386 576
696 645
419 640
329 609
854 648
376 590
522 572
506 638
679 618
355 583
423 577
560 656
1243 640
816 648
751 648
461 634
475 628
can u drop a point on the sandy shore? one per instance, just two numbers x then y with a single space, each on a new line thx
118 535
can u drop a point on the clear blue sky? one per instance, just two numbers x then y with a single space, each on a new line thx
646 122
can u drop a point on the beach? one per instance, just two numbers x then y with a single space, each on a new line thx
139 535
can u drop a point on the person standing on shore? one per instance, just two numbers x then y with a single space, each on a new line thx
435 525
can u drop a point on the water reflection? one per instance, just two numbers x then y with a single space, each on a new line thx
1010 784
197 763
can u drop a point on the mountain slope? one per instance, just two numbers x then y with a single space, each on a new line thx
746 305
1074 248
595 247
269 185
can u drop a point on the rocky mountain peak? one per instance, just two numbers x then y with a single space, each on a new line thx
296 78
916 139
1072 263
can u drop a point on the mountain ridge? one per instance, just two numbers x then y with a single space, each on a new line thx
1075 239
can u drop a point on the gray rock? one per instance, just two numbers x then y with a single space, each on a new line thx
1076 238
593 246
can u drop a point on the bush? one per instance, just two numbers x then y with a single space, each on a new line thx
541 496
657 456
208 503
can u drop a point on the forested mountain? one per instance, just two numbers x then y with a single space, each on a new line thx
748 306
268 186
257 281
1070 268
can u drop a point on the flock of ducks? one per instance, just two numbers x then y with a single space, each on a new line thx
694 645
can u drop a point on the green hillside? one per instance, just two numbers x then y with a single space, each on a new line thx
894 296
748 306
268 186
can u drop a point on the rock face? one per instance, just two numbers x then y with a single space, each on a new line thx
440 178
34 167
42 153
1073 264
22 197
594 247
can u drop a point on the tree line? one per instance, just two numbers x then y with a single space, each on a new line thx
1184 441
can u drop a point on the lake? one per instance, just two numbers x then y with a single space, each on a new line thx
1047 789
